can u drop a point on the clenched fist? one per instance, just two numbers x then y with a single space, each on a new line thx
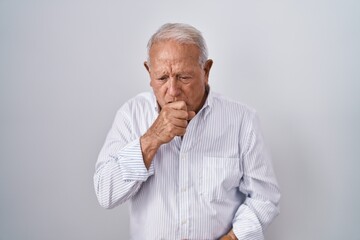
172 121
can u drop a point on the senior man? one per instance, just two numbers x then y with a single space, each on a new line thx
191 162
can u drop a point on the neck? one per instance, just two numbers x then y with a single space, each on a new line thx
206 93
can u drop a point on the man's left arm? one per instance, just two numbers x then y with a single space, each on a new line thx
259 185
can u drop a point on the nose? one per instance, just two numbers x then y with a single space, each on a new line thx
173 88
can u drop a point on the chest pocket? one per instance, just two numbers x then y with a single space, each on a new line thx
220 176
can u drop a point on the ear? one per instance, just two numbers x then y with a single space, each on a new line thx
207 66
147 66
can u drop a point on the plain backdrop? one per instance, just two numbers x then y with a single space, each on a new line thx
67 66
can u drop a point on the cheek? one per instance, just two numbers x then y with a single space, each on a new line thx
192 92
159 90
195 92
156 85
197 86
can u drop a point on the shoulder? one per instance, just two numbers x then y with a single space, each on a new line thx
232 107
140 103
236 114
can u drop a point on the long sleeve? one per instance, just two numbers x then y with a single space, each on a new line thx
259 185
217 177
120 169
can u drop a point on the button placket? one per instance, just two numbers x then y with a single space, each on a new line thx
184 174
183 194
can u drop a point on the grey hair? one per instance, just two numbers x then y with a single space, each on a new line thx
181 33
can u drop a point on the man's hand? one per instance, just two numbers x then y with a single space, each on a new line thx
172 121
229 236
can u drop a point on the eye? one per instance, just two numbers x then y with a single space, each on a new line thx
162 78
184 78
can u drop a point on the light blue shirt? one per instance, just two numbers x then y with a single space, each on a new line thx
218 177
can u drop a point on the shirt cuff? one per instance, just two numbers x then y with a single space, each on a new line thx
246 225
132 163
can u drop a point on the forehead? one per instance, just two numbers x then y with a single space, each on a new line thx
171 52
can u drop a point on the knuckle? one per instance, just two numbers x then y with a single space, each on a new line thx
185 123
169 128
183 105
184 115
165 112
172 135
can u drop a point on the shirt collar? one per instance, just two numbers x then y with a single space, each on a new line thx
154 102
208 103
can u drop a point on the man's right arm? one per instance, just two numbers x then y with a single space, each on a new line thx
172 121
124 163
120 169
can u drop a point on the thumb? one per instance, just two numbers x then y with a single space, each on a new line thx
191 114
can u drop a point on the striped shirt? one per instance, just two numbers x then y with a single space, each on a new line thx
217 177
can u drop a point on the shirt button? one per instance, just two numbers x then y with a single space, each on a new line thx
183 222
183 189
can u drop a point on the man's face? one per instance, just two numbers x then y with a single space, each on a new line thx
176 74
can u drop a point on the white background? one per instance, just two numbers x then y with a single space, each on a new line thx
67 66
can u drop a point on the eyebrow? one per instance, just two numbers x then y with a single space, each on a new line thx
160 72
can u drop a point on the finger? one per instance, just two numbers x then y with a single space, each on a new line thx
179 131
179 114
191 114
179 122
179 105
